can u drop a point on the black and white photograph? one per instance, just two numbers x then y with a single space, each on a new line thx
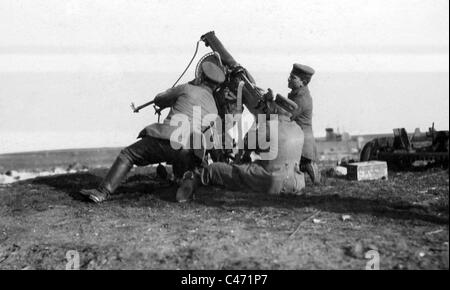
224 135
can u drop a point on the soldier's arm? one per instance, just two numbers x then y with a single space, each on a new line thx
297 112
169 97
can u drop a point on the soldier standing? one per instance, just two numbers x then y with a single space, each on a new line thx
298 81
155 144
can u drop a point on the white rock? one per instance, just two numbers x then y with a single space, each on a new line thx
317 221
346 217
340 171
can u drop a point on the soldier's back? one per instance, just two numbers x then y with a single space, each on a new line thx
286 151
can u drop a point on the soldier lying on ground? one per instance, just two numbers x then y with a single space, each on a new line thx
280 175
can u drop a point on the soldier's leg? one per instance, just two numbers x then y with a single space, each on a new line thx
310 167
214 174
221 174
187 167
183 160
252 176
189 183
294 183
184 163
146 151
248 176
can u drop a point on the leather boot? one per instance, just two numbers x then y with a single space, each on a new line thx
313 171
116 174
189 184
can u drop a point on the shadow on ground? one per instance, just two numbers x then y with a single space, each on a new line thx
337 204
335 195
133 186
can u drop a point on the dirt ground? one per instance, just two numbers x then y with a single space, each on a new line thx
405 219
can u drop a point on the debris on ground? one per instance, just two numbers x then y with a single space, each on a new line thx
11 176
338 171
346 217
434 232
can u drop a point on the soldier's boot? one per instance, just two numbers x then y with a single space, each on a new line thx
116 174
313 171
189 183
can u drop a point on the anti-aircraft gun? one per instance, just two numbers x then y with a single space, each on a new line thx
239 84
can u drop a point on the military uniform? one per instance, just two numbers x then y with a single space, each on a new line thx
303 117
181 100
156 145
280 175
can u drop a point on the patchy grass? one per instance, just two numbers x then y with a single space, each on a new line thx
404 218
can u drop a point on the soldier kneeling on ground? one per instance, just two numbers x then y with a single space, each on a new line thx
155 145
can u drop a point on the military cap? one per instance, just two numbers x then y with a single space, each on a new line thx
285 103
213 72
302 70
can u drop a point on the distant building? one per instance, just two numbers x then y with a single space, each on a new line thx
336 146
331 135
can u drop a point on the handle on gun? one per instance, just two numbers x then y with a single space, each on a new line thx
137 109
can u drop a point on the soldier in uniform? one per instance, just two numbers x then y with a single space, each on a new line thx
155 144
279 175
298 81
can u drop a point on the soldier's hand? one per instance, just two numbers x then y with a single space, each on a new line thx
229 95
157 109
269 95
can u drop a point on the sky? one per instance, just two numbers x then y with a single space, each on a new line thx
69 69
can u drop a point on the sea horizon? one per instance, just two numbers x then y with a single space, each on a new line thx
56 111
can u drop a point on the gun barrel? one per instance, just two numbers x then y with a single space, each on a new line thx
212 41
251 94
